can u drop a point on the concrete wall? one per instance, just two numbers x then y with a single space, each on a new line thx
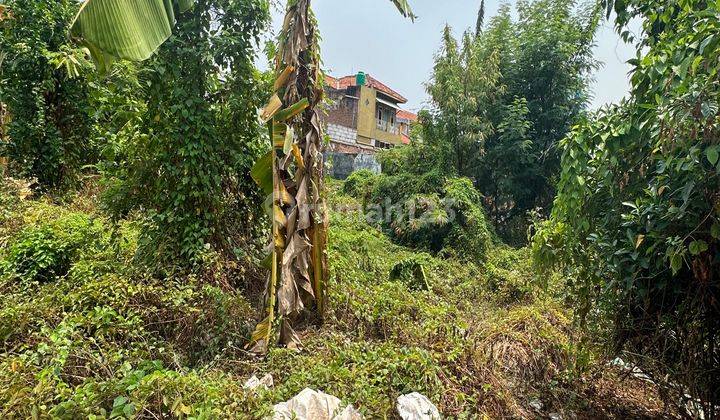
367 161
342 134
341 165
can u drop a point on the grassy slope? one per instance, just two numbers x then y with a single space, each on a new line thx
83 333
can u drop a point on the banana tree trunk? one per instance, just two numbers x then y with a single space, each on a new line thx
4 161
296 289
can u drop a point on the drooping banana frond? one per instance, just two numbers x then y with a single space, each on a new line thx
4 12
126 29
404 8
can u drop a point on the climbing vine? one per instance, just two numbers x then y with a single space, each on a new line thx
636 222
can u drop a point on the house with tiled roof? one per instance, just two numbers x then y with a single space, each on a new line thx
365 115
405 121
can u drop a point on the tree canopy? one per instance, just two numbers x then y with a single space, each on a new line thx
504 96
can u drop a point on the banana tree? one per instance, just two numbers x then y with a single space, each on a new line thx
291 173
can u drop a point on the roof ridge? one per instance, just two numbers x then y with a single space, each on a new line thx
351 80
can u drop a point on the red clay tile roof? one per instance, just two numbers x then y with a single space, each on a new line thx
406 115
332 82
348 81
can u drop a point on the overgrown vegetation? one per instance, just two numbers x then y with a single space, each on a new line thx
425 211
104 338
44 87
186 163
636 223
131 254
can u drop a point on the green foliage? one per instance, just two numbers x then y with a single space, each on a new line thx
368 375
125 29
85 333
103 338
187 165
470 232
360 184
399 186
46 252
42 82
636 218
411 272
510 276
425 211
502 99
403 159
12 194
108 339
482 350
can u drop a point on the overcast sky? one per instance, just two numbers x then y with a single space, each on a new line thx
370 36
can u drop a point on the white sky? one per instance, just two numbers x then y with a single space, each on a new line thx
370 36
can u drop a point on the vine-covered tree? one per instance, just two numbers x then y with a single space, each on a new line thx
50 134
186 163
636 223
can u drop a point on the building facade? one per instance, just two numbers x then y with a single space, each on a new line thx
364 115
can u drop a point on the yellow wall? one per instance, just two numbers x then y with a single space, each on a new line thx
364 140
366 126
387 137
366 112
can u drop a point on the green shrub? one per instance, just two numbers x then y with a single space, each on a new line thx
424 222
185 169
411 272
471 233
360 184
45 252
86 340
510 278
394 161
398 187
407 159
110 340
13 195
433 213
365 300
45 87
151 388
635 225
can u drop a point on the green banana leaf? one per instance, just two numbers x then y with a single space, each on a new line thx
126 29
262 173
